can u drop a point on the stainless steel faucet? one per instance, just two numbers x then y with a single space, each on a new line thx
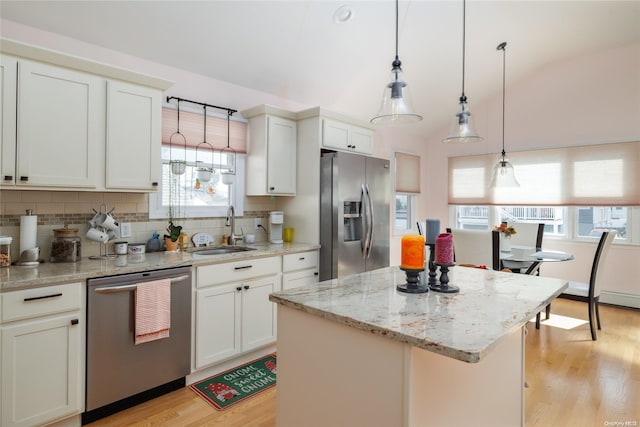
231 221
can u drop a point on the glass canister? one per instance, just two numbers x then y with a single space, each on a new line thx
5 251
65 246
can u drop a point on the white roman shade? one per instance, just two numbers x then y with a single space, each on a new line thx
407 173
192 127
593 175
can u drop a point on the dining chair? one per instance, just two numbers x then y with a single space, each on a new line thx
590 292
470 247
527 234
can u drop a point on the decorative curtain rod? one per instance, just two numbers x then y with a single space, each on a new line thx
229 111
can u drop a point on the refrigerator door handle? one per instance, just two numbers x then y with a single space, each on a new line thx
369 245
363 223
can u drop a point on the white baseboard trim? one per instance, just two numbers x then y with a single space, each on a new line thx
618 298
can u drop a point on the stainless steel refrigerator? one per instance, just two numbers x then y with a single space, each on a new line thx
354 214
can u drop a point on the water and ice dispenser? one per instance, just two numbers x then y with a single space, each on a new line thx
352 221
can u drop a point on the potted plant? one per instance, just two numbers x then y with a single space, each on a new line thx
171 239
506 231
204 173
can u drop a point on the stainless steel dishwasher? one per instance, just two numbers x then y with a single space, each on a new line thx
121 374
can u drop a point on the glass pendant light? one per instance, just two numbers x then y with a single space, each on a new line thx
396 101
462 129
503 172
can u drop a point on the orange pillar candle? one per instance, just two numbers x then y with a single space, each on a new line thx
412 254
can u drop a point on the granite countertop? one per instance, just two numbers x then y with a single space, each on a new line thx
23 277
463 326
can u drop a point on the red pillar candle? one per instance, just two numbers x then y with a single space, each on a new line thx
412 252
444 249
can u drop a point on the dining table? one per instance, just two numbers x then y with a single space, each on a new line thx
532 258
535 256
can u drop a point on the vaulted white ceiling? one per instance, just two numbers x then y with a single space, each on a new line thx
294 48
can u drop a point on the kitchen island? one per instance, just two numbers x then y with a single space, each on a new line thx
355 352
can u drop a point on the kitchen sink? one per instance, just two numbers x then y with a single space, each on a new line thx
220 250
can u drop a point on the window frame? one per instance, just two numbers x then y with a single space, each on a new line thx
159 211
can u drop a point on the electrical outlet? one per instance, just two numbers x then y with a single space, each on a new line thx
258 223
125 229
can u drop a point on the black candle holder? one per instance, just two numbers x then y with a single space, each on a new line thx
443 284
432 265
413 285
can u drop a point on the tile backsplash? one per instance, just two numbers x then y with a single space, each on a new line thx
55 209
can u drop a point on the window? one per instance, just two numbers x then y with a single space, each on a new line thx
192 198
407 186
404 213
593 220
573 222
485 217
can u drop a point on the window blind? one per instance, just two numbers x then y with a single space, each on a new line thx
407 173
593 175
192 127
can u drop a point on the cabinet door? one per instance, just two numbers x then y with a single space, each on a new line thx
42 370
335 135
8 80
361 140
258 313
134 128
217 323
60 131
299 278
281 156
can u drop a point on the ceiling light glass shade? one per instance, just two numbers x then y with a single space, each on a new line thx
462 129
504 174
396 101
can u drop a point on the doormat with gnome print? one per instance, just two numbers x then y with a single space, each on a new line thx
237 384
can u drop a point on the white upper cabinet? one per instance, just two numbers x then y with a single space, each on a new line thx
346 137
134 132
8 78
271 153
79 124
60 127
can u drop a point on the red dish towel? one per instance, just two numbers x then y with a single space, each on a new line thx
153 310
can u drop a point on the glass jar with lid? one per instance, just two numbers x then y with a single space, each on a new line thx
5 251
65 246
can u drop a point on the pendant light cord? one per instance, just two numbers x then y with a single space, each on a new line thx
396 64
228 129
502 46
397 30
463 97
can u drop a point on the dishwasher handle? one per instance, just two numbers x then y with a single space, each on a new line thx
131 287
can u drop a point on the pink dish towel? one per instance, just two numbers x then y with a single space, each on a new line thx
153 310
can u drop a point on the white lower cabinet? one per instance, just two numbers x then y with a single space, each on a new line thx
233 311
299 269
42 357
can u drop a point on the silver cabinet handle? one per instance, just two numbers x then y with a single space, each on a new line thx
131 287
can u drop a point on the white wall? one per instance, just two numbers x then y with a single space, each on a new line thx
584 100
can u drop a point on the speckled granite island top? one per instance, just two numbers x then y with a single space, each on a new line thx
463 326
22 277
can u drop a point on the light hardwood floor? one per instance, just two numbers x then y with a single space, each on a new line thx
573 381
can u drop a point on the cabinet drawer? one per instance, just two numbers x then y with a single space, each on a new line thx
237 270
299 261
37 302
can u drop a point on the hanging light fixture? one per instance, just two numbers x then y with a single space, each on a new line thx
228 173
462 129
396 102
503 172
